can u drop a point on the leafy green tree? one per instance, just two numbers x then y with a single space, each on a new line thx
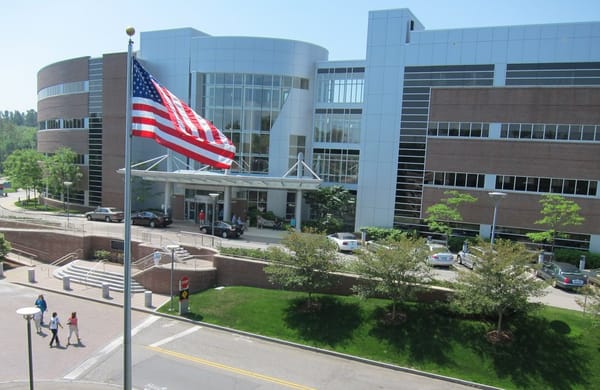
329 206
15 136
4 246
61 167
394 269
442 214
501 283
558 213
306 265
591 302
24 170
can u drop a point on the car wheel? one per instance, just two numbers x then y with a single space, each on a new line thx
152 224
89 217
554 283
459 260
204 230
224 235
107 219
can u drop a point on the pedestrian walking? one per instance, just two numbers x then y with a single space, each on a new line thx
37 320
40 303
73 328
54 324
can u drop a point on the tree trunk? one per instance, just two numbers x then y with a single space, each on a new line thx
499 326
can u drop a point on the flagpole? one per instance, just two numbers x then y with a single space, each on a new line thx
127 210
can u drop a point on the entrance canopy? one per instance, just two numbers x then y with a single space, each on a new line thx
229 180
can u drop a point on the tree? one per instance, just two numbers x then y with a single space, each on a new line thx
4 246
440 215
307 265
501 283
558 213
24 170
330 205
591 302
61 167
394 269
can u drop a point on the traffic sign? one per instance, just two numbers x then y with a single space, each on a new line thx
184 283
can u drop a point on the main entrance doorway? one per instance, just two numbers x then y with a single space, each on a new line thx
193 207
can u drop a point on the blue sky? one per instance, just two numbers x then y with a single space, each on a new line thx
34 34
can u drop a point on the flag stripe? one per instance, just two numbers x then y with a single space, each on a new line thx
162 116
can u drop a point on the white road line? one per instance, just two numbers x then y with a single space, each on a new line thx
175 337
108 349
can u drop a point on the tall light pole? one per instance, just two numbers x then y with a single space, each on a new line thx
28 313
172 249
68 184
496 197
214 197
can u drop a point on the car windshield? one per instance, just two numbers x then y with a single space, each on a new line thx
438 249
346 236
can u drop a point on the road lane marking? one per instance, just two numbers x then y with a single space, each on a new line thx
175 337
235 370
116 343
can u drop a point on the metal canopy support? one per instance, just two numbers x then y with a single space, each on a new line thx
287 182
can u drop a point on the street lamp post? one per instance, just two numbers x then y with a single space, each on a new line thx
496 197
68 184
28 313
214 197
172 249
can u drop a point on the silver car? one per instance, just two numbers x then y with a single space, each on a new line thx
440 256
108 214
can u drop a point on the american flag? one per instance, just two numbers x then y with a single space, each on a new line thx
158 114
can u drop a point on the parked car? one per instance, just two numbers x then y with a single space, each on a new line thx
151 218
440 256
222 229
108 214
562 275
469 257
593 276
346 242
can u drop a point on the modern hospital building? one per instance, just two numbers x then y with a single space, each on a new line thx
513 109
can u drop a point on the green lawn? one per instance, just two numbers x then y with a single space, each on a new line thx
551 349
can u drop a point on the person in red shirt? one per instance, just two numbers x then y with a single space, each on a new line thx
201 217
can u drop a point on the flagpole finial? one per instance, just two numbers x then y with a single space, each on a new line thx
130 31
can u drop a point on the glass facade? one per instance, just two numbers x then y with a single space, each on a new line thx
337 124
245 107
340 85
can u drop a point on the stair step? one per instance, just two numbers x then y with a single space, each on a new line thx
96 278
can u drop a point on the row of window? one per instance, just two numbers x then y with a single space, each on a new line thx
454 179
64 89
458 129
547 185
514 183
62 123
248 79
550 131
333 89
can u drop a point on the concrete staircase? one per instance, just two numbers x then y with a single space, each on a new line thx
80 272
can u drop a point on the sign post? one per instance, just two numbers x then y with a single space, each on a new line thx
184 294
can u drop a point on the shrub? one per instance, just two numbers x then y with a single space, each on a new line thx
102 255
455 243
572 256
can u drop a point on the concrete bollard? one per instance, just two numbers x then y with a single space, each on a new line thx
66 283
31 275
1 269
148 298
105 290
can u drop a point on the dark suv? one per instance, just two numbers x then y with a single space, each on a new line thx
562 275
